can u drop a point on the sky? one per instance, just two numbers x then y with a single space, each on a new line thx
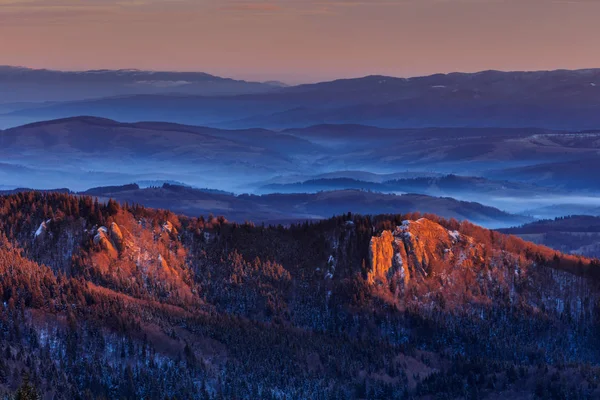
299 41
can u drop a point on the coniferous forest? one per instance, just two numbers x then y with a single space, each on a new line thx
118 301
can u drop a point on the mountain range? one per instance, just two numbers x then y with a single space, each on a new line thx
494 166
26 85
445 185
559 99
175 235
288 208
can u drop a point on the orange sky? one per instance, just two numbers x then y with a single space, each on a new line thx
301 40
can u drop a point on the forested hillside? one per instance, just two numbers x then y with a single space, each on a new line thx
118 301
576 234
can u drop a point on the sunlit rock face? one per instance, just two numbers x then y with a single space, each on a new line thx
102 239
426 244
116 236
410 251
382 257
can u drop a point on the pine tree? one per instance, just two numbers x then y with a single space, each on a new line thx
27 391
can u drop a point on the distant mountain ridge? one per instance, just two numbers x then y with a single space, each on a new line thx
572 223
437 184
560 99
85 151
575 234
18 84
285 208
94 149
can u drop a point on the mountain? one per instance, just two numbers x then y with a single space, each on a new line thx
288 208
175 107
129 152
564 100
511 196
85 151
566 207
109 301
575 234
488 98
572 174
275 208
489 151
447 185
493 166
19 84
355 175
561 160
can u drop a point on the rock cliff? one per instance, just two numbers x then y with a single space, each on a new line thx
412 251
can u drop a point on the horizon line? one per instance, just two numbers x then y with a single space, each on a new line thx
267 81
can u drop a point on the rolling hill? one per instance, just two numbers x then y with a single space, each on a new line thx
575 234
287 208
86 151
539 168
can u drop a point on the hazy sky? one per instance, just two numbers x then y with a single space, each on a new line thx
301 40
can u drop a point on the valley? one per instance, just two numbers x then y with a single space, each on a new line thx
520 171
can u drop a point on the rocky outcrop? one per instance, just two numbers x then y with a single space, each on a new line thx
41 231
168 227
116 236
412 251
426 244
381 252
102 238
110 239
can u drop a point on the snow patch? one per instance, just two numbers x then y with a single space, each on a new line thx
101 234
164 84
455 235
41 229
